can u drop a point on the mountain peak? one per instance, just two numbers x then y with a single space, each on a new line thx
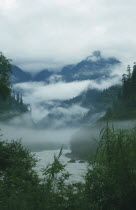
96 55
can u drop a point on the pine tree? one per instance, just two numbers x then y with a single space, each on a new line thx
129 71
5 69
21 100
134 80
18 98
124 83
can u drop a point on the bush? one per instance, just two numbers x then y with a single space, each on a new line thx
111 179
18 180
22 189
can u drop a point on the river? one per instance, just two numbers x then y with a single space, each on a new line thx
77 169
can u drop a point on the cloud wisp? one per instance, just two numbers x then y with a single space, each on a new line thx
40 95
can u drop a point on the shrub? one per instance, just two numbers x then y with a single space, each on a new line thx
111 179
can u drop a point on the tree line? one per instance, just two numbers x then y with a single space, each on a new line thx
124 105
9 99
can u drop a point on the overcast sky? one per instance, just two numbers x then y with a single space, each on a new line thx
39 34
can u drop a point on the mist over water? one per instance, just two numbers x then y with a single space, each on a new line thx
47 142
46 139
38 140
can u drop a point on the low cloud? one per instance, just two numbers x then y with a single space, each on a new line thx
35 139
64 117
73 110
42 96
39 91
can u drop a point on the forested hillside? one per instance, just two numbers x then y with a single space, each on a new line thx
12 107
102 102
124 106
11 104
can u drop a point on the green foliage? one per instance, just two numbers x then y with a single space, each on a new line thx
124 106
107 96
18 180
21 188
5 69
11 108
83 148
110 181
9 105
103 101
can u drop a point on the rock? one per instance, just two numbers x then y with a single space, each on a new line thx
81 161
71 161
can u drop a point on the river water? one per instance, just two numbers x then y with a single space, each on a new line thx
77 170
44 143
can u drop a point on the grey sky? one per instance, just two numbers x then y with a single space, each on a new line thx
50 33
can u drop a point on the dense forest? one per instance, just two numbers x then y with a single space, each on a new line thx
101 102
124 106
11 103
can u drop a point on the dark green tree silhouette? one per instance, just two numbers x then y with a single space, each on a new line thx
5 69
125 104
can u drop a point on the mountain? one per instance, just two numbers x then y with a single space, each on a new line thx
43 75
88 107
85 99
18 75
70 112
93 67
62 117
97 99
101 103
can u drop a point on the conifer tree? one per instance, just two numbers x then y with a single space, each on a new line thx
21 99
5 69
134 80
18 98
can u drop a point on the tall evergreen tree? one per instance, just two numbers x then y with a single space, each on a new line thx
18 98
125 105
5 69
21 99
134 80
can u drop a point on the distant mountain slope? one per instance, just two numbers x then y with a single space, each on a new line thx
93 97
89 106
85 99
42 76
93 67
18 75
104 100
70 112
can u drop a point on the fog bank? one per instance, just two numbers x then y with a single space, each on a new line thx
37 140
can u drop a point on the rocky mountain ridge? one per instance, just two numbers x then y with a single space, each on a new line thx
93 67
